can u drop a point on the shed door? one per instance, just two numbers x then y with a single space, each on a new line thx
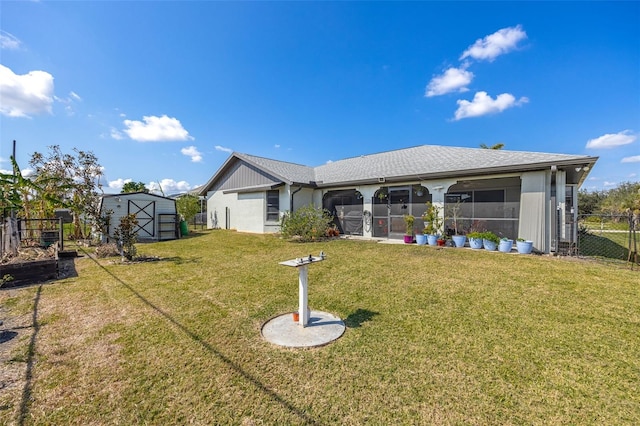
145 212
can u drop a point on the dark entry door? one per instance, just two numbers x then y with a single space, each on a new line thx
399 205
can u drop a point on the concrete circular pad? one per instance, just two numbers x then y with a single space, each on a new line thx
322 328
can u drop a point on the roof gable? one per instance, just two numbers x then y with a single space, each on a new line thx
266 172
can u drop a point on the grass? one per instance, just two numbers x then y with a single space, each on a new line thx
434 336
606 245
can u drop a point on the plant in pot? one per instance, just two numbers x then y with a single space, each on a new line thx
524 246
433 223
443 238
409 220
475 239
490 240
505 245
458 238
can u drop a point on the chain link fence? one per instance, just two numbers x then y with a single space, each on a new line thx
611 238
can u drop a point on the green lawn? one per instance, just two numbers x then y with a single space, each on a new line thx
434 336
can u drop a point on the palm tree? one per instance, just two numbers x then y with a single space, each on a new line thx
496 146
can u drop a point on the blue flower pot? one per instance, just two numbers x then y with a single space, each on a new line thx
432 240
489 245
524 247
475 243
421 239
459 240
505 246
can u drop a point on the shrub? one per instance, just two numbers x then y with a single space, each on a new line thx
306 224
126 236
490 236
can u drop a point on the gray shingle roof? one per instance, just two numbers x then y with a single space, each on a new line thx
428 160
420 162
290 172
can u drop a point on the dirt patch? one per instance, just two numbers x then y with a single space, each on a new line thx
27 254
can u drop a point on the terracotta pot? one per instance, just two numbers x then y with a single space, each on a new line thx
441 243
296 317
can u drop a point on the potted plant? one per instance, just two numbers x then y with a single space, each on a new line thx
475 239
433 223
490 240
524 246
505 245
408 220
458 238
421 239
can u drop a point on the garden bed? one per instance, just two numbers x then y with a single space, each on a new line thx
30 265
28 272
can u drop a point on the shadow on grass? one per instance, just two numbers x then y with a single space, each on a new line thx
595 245
355 319
31 351
5 336
208 347
194 234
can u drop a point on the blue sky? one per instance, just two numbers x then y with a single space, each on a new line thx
162 92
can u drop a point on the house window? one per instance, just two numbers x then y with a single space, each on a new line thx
495 210
273 206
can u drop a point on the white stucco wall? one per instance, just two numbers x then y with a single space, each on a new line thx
245 211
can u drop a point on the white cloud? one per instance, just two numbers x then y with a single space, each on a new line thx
607 183
156 129
27 172
24 172
169 186
116 134
632 159
25 95
192 151
276 146
223 149
452 80
8 41
68 102
118 183
612 140
483 104
496 44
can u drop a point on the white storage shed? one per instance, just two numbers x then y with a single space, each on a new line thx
157 216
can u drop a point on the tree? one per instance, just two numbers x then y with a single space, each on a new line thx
74 179
495 146
623 199
16 193
589 202
134 187
188 206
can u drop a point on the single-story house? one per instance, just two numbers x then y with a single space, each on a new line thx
515 194
157 216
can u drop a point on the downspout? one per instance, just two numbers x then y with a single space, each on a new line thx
554 223
291 198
